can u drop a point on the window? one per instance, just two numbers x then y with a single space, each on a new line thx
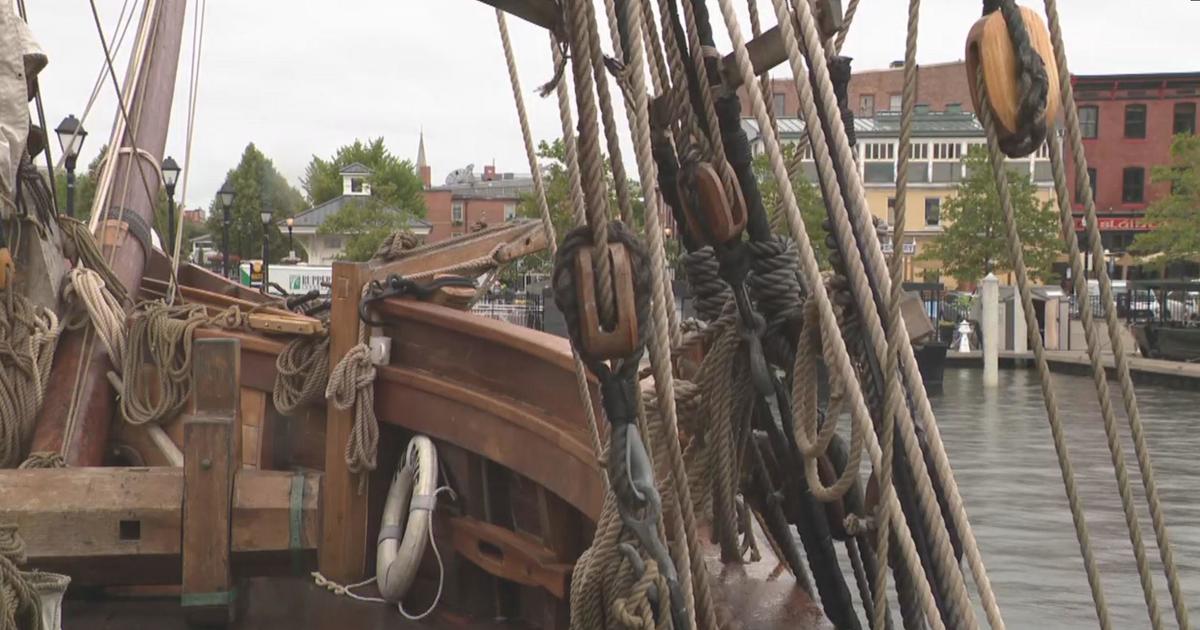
866 105
919 151
510 211
947 151
1079 186
1133 185
879 151
356 184
779 102
1185 118
1135 121
456 213
880 162
1089 121
894 103
933 211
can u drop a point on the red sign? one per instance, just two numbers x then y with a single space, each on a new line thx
1115 224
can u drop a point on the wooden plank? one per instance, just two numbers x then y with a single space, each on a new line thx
344 548
543 13
517 239
508 555
252 420
208 470
123 525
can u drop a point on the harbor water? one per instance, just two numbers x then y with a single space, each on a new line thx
1000 447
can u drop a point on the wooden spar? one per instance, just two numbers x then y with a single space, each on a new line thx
75 418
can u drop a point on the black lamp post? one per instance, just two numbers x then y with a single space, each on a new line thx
225 195
291 247
70 137
265 215
170 173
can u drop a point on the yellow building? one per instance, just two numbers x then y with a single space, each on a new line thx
940 141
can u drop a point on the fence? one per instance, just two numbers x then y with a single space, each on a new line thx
522 309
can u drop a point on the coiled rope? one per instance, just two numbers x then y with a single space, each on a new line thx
352 386
20 607
302 373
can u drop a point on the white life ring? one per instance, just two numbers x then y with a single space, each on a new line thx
407 519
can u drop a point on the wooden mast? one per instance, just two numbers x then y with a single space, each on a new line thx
78 410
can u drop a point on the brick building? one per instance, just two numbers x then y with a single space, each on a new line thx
1128 122
467 200
940 86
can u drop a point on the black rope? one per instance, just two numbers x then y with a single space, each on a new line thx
1032 80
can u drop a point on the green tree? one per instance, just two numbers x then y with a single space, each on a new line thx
366 223
257 185
1176 217
85 186
974 242
557 184
808 198
393 181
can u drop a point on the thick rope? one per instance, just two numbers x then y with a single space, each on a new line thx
352 385
1121 359
888 420
585 397
660 352
28 336
1035 341
301 373
104 312
163 334
841 365
897 333
396 246
847 22
20 607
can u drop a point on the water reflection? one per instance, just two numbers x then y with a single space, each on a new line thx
999 444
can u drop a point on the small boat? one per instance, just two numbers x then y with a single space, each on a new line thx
1164 317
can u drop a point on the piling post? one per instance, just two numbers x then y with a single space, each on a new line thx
990 322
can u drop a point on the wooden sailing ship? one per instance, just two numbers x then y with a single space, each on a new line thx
173 483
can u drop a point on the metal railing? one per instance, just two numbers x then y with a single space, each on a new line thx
520 309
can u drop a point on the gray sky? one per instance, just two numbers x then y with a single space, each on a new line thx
302 77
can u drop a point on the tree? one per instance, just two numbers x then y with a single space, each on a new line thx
974 241
812 206
257 185
393 181
1175 219
366 223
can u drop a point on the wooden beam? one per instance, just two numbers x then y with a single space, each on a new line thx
503 244
209 462
344 548
113 525
767 50
543 13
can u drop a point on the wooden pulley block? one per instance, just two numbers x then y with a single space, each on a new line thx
599 342
990 51
7 269
714 221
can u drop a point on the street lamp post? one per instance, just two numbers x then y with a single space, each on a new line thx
265 215
170 173
70 137
291 247
226 197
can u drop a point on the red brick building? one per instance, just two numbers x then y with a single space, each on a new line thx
940 86
467 199
1128 122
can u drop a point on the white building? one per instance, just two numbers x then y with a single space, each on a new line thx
323 249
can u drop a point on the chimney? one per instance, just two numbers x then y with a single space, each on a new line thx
489 172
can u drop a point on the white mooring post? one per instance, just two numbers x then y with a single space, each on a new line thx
991 330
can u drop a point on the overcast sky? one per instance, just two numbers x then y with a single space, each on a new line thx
303 77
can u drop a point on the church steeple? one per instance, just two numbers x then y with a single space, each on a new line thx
423 169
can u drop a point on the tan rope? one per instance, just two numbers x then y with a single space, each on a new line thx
301 373
163 334
20 607
1035 342
847 22
660 353
1120 356
841 365
585 397
28 336
352 386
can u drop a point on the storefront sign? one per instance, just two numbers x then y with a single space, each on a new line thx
1115 224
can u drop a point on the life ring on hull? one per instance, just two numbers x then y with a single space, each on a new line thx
407 519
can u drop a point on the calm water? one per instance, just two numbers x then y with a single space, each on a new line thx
999 443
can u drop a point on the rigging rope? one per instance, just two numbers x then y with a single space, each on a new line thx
352 386
1035 341
1121 360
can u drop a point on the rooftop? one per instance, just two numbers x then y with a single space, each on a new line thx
355 169
508 186
949 124
315 216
